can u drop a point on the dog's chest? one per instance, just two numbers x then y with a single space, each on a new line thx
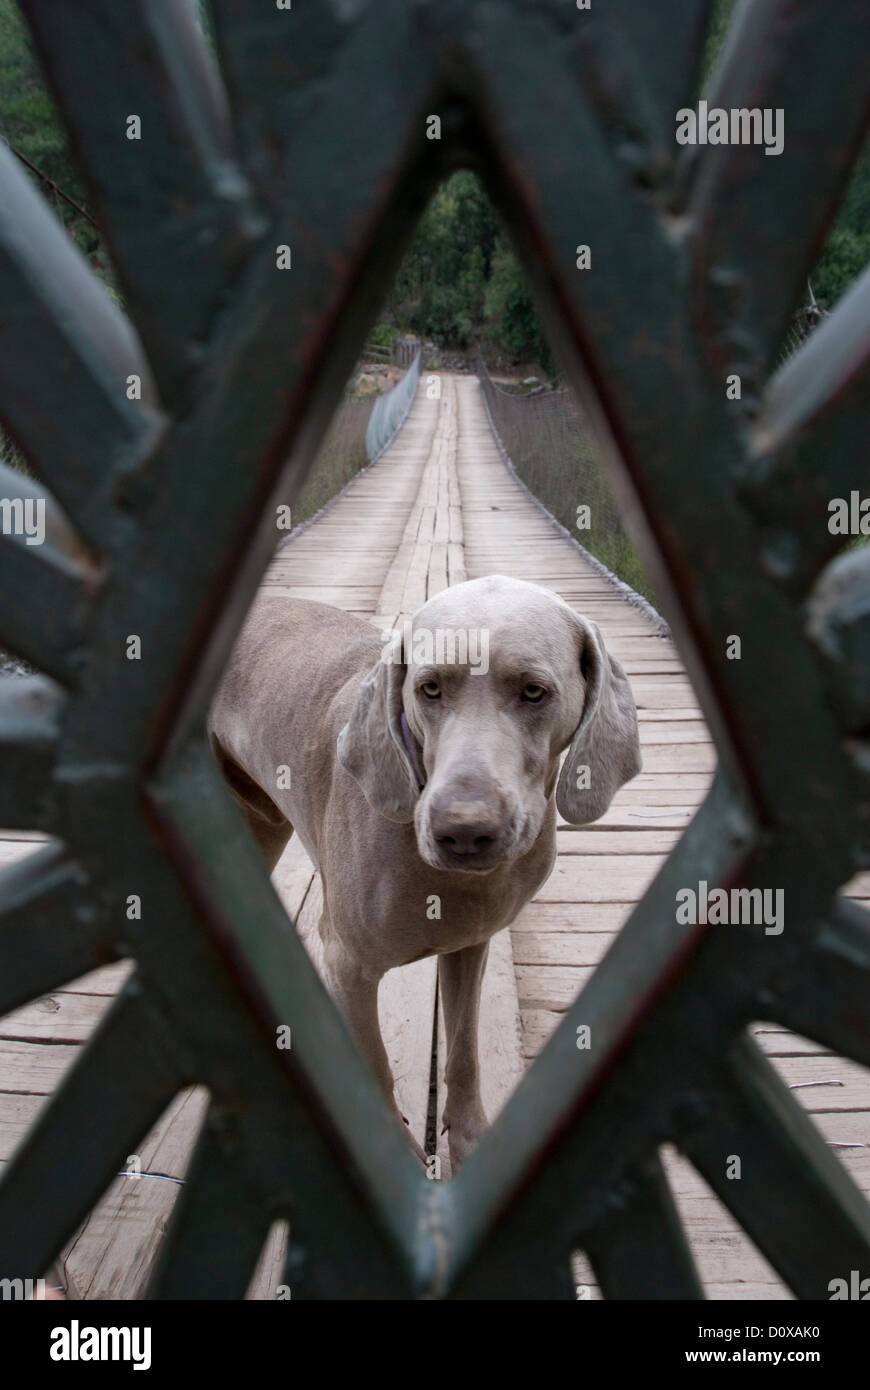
433 913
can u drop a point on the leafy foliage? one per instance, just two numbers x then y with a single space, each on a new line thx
512 326
439 289
460 283
30 126
847 250
383 335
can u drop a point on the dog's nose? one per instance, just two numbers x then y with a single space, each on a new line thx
466 827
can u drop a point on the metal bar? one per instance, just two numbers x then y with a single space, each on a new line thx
639 1249
30 709
269 60
284 76
62 540
809 442
273 969
111 1097
788 58
241 1177
61 335
639 65
668 42
49 183
825 996
51 930
217 1228
223 1042
174 208
43 608
223 464
789 1193
530 1172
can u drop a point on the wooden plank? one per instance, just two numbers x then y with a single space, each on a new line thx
29 1070
13 850
269 1274
61 1017
583 948
600 878
547 917
751 1291
406 1010
780 1042
857 887
662 790
723 1254
600 839
826 1084
107 980
17 1113
665 714
679 757
499 1041
551 987
660 814
112 1254
663 731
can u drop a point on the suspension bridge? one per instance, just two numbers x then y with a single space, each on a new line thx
441 505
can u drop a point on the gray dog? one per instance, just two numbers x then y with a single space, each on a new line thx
427 770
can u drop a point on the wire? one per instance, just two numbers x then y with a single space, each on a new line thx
82 212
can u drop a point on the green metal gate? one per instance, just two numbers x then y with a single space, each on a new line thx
308 145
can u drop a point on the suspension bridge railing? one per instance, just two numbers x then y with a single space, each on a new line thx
340 457
550 442
389 411
808 317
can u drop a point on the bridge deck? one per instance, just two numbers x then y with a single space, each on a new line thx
438 507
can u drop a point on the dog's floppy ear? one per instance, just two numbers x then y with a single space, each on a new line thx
605 748
371 746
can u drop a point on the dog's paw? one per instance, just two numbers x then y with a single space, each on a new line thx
464 1133
417 1150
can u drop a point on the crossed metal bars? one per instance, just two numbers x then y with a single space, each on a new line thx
162 434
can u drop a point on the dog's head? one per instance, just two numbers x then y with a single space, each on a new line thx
461 724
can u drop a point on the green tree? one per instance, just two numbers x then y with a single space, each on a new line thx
512 324
439 290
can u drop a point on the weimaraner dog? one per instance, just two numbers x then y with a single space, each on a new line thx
424 782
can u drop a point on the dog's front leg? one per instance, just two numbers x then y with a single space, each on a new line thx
356 995
460 976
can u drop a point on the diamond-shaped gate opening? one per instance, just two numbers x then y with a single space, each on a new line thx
251 279
443 505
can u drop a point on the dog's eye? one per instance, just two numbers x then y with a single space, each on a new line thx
533 693
431 689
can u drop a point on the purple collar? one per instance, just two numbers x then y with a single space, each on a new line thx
412 752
